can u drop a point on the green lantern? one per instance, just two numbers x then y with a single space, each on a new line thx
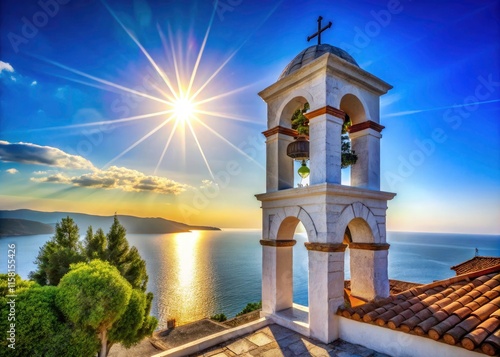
304 170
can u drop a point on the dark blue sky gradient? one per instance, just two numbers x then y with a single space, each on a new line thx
442 57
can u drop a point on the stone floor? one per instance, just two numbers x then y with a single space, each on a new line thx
277 341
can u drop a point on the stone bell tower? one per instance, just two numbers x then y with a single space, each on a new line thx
335 216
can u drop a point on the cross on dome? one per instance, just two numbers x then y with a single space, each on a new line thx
320 30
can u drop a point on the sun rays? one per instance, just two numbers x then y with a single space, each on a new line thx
182 96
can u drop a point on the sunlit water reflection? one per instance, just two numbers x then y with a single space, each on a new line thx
198 274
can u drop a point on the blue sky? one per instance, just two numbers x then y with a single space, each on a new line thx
78 92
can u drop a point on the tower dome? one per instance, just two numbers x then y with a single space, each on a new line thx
313 52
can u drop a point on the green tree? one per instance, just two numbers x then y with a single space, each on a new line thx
251 306
56 256
95 244
94 296
41 328
219 317
126 259
135 323
64 249
301 124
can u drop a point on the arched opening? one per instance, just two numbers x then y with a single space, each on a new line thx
300 267
360 231
281 173
352 106
347 256
355 113
365 269
349 298
292 117
293 269
289 109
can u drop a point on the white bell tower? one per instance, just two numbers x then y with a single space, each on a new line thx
335 216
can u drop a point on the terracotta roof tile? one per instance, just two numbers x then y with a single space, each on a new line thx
462 311
491 346
476 264
474 338
492 294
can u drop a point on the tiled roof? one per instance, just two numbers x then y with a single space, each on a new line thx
395 286
462 311
475 264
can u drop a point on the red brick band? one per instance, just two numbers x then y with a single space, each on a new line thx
278 243
280 130
369 246
366 125
325 110
326 247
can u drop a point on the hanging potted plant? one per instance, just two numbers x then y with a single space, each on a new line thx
299 149
301 124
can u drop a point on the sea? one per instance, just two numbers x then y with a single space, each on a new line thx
202 273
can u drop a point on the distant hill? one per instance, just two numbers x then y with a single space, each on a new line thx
134 225
22 227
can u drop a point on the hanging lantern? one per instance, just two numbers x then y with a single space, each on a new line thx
299 150
303 170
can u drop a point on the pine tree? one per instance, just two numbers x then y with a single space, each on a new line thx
117 245
64 249
127 260
95 244
56 256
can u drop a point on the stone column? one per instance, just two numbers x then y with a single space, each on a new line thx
369 277
279 166
324 136
365 141
326 289
277 275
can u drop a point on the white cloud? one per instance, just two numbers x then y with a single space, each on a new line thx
43 172
208 184
34 83
4 66
12 171
27 153
121 178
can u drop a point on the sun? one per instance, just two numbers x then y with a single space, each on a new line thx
183 109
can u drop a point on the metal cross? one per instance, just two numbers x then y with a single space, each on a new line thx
320 30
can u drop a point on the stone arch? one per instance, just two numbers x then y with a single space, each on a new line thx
350 100
351 105
290 104
361 222
285 221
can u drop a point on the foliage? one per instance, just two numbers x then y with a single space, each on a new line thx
299 120
348 156
127 260
95 244
135 323
219 317
20 284
56 256
301 124
252 306
41 328
93 296
64 249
